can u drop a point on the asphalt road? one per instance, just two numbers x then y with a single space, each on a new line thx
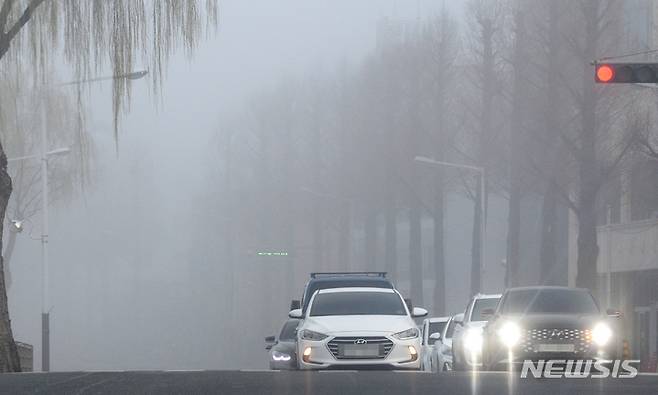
316 383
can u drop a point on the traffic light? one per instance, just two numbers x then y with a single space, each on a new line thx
626 73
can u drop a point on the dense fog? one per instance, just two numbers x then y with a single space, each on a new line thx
285 145
136 279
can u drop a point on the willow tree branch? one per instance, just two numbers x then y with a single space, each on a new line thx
4 14
25 17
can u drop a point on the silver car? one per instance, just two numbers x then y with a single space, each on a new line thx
441 357
432 330
468 337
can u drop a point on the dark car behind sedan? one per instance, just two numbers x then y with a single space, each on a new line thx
543 323
283 351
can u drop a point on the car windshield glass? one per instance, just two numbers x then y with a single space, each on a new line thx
549 301
288 331
343 282
436 327
480 306
357 303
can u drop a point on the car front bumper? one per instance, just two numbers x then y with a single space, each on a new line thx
321 357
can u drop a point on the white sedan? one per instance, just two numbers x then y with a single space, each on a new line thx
358 328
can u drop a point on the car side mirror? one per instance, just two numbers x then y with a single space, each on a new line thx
459 319
295 304
418 312
268 347
270 339
435 336
295 313
488 312
614 313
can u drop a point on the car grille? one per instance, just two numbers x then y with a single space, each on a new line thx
580 338
385 346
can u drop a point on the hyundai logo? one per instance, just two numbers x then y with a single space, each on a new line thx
360 341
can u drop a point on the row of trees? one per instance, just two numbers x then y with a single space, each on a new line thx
313 165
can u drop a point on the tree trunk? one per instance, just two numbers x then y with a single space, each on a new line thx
344 236
549 220
488 75
8 252
318 236
439 254
588 249
415 253
513 232
371 239
9 361
475 246
390 249
548 252
515 162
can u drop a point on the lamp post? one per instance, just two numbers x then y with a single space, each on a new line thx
43 156
476 287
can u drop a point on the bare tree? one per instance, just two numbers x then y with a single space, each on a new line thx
487 20
91 34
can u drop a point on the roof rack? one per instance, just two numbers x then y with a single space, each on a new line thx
338 274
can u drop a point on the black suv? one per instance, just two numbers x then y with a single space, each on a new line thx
340 280
542 323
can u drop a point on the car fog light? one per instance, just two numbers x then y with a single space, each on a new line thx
306 356
413 353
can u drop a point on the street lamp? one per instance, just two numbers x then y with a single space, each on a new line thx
482 172
44 155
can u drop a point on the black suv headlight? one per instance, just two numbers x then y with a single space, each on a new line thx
601 334
509 334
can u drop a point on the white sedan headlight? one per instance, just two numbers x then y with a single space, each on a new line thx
601 334
410 333
312 335
509 334
280 356
473 340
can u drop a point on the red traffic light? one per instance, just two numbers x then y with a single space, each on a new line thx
605 73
